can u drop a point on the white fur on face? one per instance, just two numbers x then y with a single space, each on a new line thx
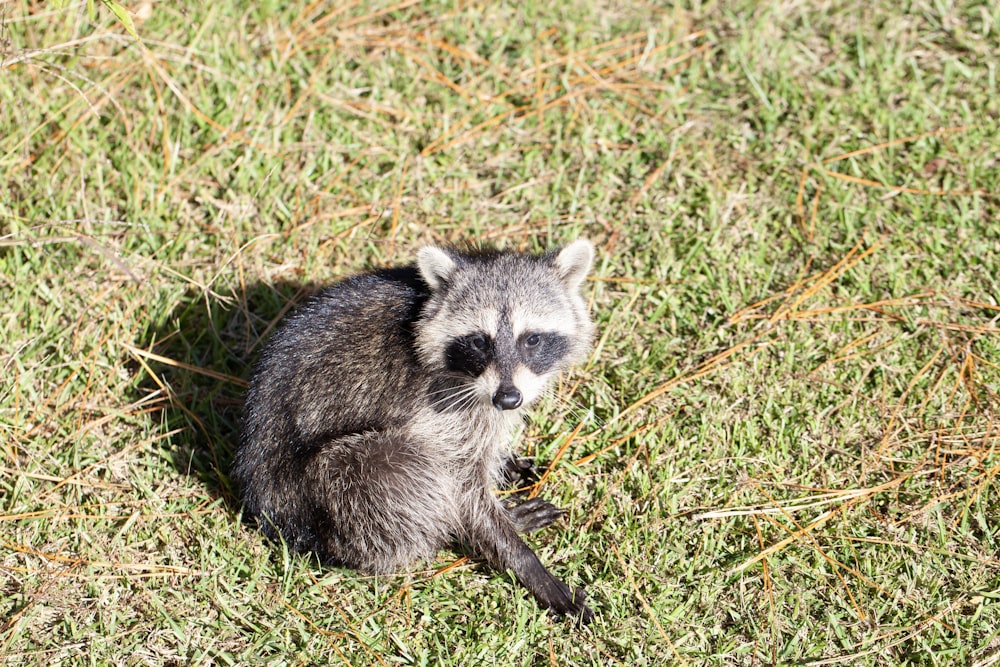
561 318
487 385
530 385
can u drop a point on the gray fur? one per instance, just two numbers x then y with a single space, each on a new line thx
372 433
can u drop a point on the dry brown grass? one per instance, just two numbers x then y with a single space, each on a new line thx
783 449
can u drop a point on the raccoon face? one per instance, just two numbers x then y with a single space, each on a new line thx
503 324
535 354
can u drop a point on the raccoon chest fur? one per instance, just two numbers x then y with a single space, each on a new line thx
468 441
381 414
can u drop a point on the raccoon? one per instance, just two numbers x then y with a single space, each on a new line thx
381 414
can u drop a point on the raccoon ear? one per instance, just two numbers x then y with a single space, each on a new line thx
573 262
435 266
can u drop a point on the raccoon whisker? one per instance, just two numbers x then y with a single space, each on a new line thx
449 390
454 397
572 408
577 410
459 406
463 402
451 405
453 390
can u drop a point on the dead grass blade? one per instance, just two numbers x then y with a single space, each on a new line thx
646 607
849 498
208 372
710 365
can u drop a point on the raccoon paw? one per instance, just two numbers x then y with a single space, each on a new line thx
520 472
570 603
583 613
533 514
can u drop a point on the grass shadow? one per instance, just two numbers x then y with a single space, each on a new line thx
197 363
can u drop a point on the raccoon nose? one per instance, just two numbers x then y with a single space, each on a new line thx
507 398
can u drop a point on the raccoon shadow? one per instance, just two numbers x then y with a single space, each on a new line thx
195 365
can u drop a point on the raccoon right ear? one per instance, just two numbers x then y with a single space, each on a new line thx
574 262
435 266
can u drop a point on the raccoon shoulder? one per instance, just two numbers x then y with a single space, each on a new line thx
353 318
344 361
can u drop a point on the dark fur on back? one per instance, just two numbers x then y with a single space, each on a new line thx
381 413
298 400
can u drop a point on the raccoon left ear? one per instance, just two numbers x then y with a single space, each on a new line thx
435 266
574 262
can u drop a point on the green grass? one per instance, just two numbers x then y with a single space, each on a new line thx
790 425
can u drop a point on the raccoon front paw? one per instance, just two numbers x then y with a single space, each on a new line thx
581 610
520 472
533 514
570 603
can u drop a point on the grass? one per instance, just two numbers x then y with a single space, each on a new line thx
782 451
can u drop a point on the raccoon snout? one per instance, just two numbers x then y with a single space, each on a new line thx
507 398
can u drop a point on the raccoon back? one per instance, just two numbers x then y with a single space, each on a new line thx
343 363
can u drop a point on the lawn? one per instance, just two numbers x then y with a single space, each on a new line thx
783 449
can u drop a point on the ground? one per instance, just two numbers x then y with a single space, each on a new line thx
783 449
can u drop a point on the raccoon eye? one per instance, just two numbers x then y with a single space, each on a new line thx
479 342
532 341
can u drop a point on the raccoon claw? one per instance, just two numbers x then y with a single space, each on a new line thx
584 614
533 514
521 471
572 605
